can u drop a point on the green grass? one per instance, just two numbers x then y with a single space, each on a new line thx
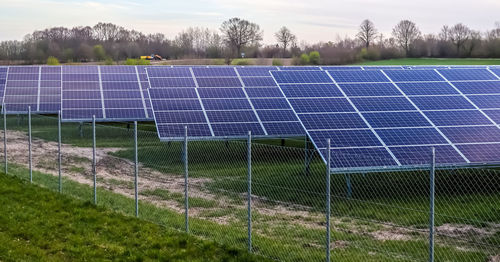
274 236
179 198
433 61
38 224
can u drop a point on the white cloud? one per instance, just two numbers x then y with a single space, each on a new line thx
312 20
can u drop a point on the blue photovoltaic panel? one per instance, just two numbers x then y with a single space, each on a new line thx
488 87
427 88
441 102
111 93
413 75
21 89
332 121
457 118
301 68
396 119
214 72
391 122
341 68
372 89
467 74
302 77
230 99
258 81
358 76
38 87
496 71
255 71
3 76
311 90
485 101
383 67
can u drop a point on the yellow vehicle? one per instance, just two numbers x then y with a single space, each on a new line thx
152 57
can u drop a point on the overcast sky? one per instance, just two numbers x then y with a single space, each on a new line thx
311 20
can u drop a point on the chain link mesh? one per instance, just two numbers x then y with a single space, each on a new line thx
375 216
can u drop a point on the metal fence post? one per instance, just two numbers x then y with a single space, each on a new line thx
249 193
59 155
29 144
306 158
94 159
431 213
136 171
186 185
5 137
328 164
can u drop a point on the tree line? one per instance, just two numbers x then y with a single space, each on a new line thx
107 41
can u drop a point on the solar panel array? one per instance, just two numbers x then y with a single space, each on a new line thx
3 77
219 102
38 87
379 119
110 93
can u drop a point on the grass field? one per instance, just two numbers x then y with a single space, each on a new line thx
433 61
38 224
463 196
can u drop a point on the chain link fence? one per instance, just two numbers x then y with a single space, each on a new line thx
266 196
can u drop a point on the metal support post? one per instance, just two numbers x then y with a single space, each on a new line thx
29 144
80 129
349 185
5 137
59 155
306 157
328 164
431 213
136 171
249 193
94 159
186 184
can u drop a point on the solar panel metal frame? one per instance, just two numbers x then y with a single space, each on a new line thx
103 108
208 122
407 166
4 85
35 110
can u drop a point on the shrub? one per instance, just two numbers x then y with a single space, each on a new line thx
277 62
369 54
241 62
314 57
109 61
304 59
218 61
99 52
131 61
52 61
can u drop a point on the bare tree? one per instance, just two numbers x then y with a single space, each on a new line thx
285 37
444 35
367 32
106 31
405 33
459 35
473 42
239 33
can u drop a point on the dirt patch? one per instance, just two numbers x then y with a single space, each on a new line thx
394 234
464 231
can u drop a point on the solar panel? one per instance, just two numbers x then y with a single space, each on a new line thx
38 87
383 119
3 77
111 93
219 102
